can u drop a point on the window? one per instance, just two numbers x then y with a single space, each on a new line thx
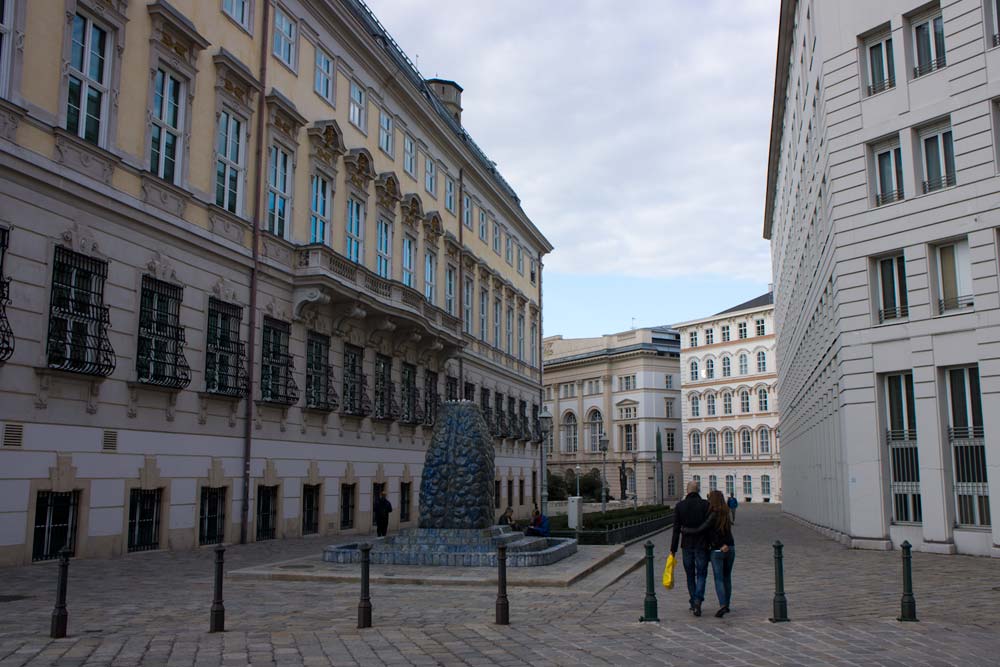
409 260
212 515
693 339
765 485
901 407
713 483
762 361
628 412
354 392
668 381
595 429
160 354
759 325
384 398
278 191
764 441
696 479
430 176
405 501
408 394
533 342
628 436
520 337
496 494
319 209
671 486
324 78
510 330
730 485
430 275
626 383
669 408
762 400
727 403
56 521
713 444
938 158
144 519
497 308
954 279
725 333
509 250
409 156
928 44
239 11
431 397
710 404
888 172
893 299
89 72
744 401
311 500
520 492
484 306
225 355
166 132
881 67
744 364
482 225
267 512
285 41
467 297
670 441
347 506
355 230
746 443
320 394
727 367
533 275
383 248
359 108
747 485
520 260
78 319
993 9
276 382
696 444
569 433
449 289
694 371
695 407
449 197
230 164
741 330
710 369
728 444
709 336
967 438
496 237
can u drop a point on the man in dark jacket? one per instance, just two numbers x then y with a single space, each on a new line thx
382 510
691 512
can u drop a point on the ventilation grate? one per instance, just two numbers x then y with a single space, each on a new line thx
110 442
13 435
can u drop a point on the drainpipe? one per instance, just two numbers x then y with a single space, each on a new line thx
461 277
254 272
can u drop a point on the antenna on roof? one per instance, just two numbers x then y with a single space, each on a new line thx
633 324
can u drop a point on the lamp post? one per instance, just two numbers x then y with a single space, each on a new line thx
577 480
602 443
544 427
635 480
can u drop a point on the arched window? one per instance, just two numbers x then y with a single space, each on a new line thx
765 485
747 486
696 444
762 362
713 444
570 434
764 440
695 407
671 486
595 427
727 367
743 364
694 371
730 485
710 402
762 400
744 401
710 368
746 447
713 483
727 403
727 443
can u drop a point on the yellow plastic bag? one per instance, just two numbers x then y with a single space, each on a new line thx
668 572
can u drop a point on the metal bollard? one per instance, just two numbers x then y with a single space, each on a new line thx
780 603
649 611
908 604
217 622
60 617
503 605
365 605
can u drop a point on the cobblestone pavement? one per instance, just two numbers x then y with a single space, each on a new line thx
152 609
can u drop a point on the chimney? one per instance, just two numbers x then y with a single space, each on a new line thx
450 94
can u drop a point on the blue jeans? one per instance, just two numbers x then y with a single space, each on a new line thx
696 569
722 568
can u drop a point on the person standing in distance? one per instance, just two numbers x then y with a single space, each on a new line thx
733 504
691 513
382 510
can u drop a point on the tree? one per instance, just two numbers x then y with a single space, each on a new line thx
557 486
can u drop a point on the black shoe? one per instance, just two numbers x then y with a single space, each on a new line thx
697 609
722 612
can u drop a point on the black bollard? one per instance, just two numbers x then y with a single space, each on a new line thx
908 604
780 603
649 610
365 605
60 617
503 605
217 623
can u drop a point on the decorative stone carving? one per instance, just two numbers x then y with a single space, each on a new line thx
387 193
81 239
433 227
223 290
304 301
160 267
149 474
326 143
84 157
412 211
163 195
283 116
343 318
227 225
360 169
10 118
235 81
176 33
380 330
312 476
277 249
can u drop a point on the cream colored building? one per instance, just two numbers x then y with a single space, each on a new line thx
729 369
249 248
625 385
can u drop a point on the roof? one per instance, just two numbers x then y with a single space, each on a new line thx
756 302
786 25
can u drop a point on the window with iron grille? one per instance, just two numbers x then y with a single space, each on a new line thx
511 417
536 431
966 436
347 506
276 382
78 319
320 392
354 393
144 519
500 426
405 501
267 512
431 397
55 524
901 439
484 404
520 492
160 356
510 492
534 485
6 333
470 391
522 420
451 388
225 354
310 508
212 515
409 394
383 387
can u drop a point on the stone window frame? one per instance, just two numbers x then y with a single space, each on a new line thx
293 66
387 197
236 90
283 125
360 167
12 59
318 50
251 9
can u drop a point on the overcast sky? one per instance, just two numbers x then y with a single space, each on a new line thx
635 133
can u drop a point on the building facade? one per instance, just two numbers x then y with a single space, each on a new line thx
881 209
728 368
234 299
627 387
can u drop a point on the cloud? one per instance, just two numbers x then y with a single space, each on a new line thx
634 132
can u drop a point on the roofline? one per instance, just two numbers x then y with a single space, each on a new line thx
786 24
610 352
448 81
725 315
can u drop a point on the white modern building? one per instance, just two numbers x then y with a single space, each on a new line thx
730 404
882 212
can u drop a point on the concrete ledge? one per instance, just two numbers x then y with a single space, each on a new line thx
876 544
947 548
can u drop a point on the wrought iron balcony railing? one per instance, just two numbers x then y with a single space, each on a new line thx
930 66
276 382
321 394
955 303
943 181
881 86
160 357
883 198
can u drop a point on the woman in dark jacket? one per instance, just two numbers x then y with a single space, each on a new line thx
722 548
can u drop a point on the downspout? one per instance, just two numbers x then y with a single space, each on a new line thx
254 271
461 277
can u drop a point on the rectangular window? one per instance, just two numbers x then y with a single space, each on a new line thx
409 260
167 129
626 383
347 506
482 226
765 485
901 439
669 381
430 176
430 276
409 155
56 520
383 387
534 272
449 195
276 367
353 392
670 442
533 342
747 486
230 164
628 431
449 289
285 39
509 250
311 500
78 319
144 519
693 339
324 78
405 501
212 515
496 494
741 330
725 333
89 72
239 11
709 336
928 44
938 158
967 438
730 484
888 172
496 237
893 299
383 248
320 393
467 211
759 324
510 330
451 388
520 260
319 210
278 191
160 351
408 394
359 107
881 66
484 307
224 353
669 406
954 279
355 229
467 301
386 139
431 397
497 310
520 337
267 512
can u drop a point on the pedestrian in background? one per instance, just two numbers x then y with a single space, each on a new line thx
382 510
717 530
691 513
733 504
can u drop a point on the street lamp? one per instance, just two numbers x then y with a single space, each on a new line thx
602 443
577 480
545 427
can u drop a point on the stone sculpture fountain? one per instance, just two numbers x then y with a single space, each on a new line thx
457 507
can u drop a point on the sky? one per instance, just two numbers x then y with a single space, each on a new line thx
635 133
